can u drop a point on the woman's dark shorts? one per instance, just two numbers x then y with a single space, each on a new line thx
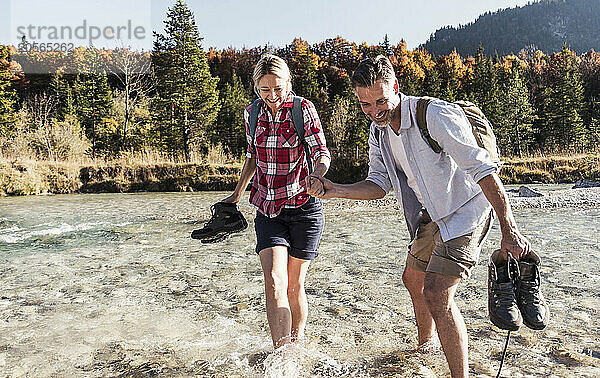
298 229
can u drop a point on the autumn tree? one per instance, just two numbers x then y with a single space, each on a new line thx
7 94
450 73
303 65
132 71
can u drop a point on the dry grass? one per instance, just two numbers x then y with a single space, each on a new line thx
561 168
155 171
137 171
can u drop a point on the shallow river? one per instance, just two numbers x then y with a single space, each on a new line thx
112 285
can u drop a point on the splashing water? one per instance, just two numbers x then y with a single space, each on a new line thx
112 285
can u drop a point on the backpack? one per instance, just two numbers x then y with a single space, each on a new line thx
481 127
297 120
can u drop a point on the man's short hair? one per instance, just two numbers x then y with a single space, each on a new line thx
370 70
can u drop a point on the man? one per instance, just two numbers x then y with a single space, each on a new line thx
447 200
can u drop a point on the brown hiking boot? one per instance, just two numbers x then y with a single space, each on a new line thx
502 302
530 300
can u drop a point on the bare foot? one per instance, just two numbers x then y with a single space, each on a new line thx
430 346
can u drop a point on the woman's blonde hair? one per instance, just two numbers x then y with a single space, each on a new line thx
270 64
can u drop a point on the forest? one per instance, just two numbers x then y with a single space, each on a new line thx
545 24
182 101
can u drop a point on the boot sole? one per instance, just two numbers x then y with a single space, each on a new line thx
216 233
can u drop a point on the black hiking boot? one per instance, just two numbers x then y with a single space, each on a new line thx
502 302
533 307
226 219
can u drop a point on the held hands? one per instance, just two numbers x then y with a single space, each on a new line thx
314 185
319 186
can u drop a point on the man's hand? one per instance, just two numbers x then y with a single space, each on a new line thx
328 186
514 243
512 240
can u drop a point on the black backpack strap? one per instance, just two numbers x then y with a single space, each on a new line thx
422 104
298 121
253 120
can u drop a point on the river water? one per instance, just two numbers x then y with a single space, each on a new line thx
112 285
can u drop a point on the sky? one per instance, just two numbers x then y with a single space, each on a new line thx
236 23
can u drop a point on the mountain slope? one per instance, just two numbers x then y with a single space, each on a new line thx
547 24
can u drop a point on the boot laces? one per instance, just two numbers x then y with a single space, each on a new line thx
215 217
530 292
504 294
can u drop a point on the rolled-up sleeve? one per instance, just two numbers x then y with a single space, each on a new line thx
449 126
250 152
378 174
313 132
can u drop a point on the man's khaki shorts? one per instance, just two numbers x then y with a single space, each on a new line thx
455 258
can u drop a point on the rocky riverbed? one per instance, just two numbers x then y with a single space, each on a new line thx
552 196
98 285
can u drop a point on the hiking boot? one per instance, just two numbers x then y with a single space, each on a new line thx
533 307
226 219
502 302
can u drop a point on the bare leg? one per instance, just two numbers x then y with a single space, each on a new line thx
274 263
297 269
414 280
439 293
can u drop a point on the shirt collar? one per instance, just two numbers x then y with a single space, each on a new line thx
289 100
405 122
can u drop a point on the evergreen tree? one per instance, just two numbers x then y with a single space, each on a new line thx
590 75
187 101
514 124
491 99
483 87
62 90
386 48
7 94
560 113
431 83
93 99
231 131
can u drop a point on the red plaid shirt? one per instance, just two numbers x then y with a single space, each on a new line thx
281 167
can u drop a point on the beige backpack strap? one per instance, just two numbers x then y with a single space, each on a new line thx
422 104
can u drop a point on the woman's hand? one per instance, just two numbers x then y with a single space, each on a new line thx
233 198
314 185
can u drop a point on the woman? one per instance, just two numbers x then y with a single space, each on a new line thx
288 222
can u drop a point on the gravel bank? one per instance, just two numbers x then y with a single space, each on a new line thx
553 198
584 197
